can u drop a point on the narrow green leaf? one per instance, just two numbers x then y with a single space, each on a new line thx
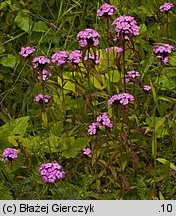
164 161
160 122
153 91
161 197
123 165
164 98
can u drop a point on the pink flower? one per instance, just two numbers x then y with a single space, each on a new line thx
45 75
88 37
40 61
60 57
131 75
9 154
51 172
166 7
86 151
123 98
26 51
92 129
106 10
102 120
126 27
40 98
146 88
162 51
75 56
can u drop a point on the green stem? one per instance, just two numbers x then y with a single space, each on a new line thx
123 57
167 25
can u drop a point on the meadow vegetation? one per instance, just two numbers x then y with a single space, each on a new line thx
87 99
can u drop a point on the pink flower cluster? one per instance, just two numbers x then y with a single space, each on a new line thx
60 57
166 7
51 172
102 120
93 128
75 56
40 61
123 98
92 57
40 98
45 75
26 51
162 51
131 75
126 27
88 37
9 154
106 10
